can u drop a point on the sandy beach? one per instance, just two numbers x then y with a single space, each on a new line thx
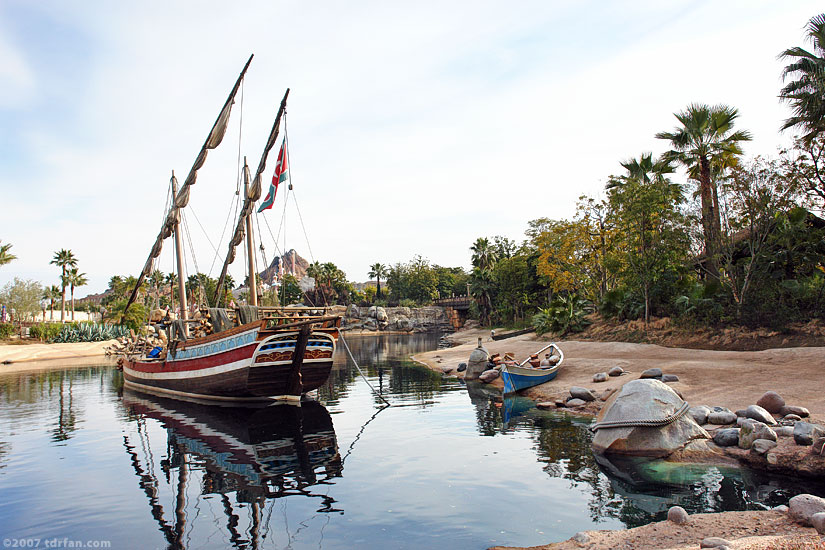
16 358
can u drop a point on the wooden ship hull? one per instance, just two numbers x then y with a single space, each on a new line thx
246 363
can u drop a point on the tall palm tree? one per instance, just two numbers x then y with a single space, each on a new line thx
806 90
172 280
703 143
76 279
51 293
378 270
483 254
5 257
63 259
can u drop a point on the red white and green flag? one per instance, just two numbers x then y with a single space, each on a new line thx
279 176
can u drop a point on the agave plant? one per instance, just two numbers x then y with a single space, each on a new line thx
90 332
565 314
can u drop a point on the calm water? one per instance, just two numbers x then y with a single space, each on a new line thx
446 466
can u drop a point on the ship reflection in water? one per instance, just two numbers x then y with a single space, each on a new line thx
245 457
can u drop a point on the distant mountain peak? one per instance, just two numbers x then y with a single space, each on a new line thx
290 263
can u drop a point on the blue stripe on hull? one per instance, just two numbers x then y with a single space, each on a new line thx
516 382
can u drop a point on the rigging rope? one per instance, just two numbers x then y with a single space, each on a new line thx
655 423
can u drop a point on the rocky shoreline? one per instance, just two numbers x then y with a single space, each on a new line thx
744 424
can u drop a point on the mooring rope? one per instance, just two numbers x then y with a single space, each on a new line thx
351 356
646 423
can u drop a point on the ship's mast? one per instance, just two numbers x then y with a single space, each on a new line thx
250 245
184 304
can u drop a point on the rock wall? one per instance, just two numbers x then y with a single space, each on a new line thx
404 319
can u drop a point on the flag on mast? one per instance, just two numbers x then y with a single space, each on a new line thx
279 176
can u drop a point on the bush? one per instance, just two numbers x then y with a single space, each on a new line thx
407 302
90 332
565 314
45 332
6 330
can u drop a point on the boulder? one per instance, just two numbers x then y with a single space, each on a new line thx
353 311
818 446
771 402
784 431
581 537
713 542
645 400
651 373
615 371
804 433
741 413
721 417
600 377
678 515
803 507
545 405
446 370
575 402
762 446
582 393
756 412
790 409
670 378
753 430
700 414
462 367
488 376
791 418
727 437
477 363
818 522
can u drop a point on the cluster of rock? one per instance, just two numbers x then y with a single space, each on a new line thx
654 373
403 319
760 426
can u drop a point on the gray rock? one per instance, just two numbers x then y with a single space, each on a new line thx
741 420
446 370
803 507
818 446
600 377
615 371
581 537
753 430
670 378
645 400
784 431
771 402
721 417
488 376
804 433
700 414
576 402
582 393
792 418
758 413
477 363
818 522
762 446
461 367
651 373
727 437
720 409
741 413
678 515
713 542
545 405
790 409
352 311
781 508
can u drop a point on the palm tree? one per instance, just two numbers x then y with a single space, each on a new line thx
5 257
704 143
806 90
483 254
171 280
378 270
63 258
76 279
51 293
155 281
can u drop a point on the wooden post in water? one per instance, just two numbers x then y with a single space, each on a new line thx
184 304
296 385
250 244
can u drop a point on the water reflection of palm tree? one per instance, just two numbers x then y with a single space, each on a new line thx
66 419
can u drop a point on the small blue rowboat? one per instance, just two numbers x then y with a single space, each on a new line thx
523 375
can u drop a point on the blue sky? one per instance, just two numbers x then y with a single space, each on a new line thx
414 128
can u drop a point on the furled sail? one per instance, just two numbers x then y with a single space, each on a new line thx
181 199
252 195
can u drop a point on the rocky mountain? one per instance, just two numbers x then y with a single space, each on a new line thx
291 262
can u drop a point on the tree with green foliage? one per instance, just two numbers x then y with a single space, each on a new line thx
64 259
805 77
291 292
706 144
377 271
650 228
75 279
23 298
5 255
482 284
51 293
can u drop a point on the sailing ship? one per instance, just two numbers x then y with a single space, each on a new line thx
251 353
532 371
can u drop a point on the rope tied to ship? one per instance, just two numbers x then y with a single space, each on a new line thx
652 423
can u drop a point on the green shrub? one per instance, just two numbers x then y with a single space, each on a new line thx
45 332
407 302
6 330
565 314
90 332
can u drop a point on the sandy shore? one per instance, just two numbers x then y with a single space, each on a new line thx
30 357
729 379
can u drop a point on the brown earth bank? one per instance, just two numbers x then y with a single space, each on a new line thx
731 379
758 530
